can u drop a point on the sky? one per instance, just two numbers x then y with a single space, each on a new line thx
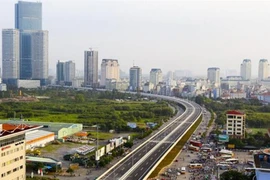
171 35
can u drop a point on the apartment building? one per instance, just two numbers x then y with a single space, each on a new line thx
236 124
12 152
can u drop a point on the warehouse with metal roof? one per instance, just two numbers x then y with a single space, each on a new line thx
59 129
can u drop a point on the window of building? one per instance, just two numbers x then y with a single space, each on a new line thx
239 117
21 166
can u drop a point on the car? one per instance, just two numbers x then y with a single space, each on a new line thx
176 160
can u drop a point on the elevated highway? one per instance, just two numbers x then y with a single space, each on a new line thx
141 160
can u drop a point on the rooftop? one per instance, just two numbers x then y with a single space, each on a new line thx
42 160
9 129
235 112
36 134
50 126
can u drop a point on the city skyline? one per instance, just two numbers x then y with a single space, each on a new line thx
173 35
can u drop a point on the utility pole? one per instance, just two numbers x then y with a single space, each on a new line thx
97 158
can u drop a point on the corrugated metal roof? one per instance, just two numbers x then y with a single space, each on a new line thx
41 159
32 135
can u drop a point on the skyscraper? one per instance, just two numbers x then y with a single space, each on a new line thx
213 74
39 49
10 55
135 78
28 16
33 41
65 72
263 69
109 70
155 76
91 68
60 72
245 70
70 70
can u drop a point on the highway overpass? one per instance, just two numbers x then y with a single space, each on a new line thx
138 163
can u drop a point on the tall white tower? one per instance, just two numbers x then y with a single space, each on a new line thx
109 70
10 55
213 74
155 76
263 69
39 48
246 69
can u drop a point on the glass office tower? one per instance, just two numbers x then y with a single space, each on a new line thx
33 41
28 15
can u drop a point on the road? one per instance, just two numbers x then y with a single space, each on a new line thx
140 161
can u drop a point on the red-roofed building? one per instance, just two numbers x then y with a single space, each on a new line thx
12 151
236 124
235 112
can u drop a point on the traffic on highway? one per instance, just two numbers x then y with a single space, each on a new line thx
141 160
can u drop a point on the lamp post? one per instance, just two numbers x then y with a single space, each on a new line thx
97 153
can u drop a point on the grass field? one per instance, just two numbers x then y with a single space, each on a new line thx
255 130
101 135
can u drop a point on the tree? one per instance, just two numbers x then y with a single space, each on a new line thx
233 175
79 98
128 144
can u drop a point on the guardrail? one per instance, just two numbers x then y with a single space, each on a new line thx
152 150
164 155
130 154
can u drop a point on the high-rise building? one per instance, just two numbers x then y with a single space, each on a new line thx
245 70
28 15
213 75
12 156
155 76
263 69
10 55
70 71
39 51
60 72
91 68
135 78
109 70
33 41
65 72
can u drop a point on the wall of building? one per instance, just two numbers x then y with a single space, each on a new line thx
69 131
12 157
40 141
28 83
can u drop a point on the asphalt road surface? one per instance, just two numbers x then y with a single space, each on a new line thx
140 161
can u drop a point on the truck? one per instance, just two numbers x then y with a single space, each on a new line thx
195 143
